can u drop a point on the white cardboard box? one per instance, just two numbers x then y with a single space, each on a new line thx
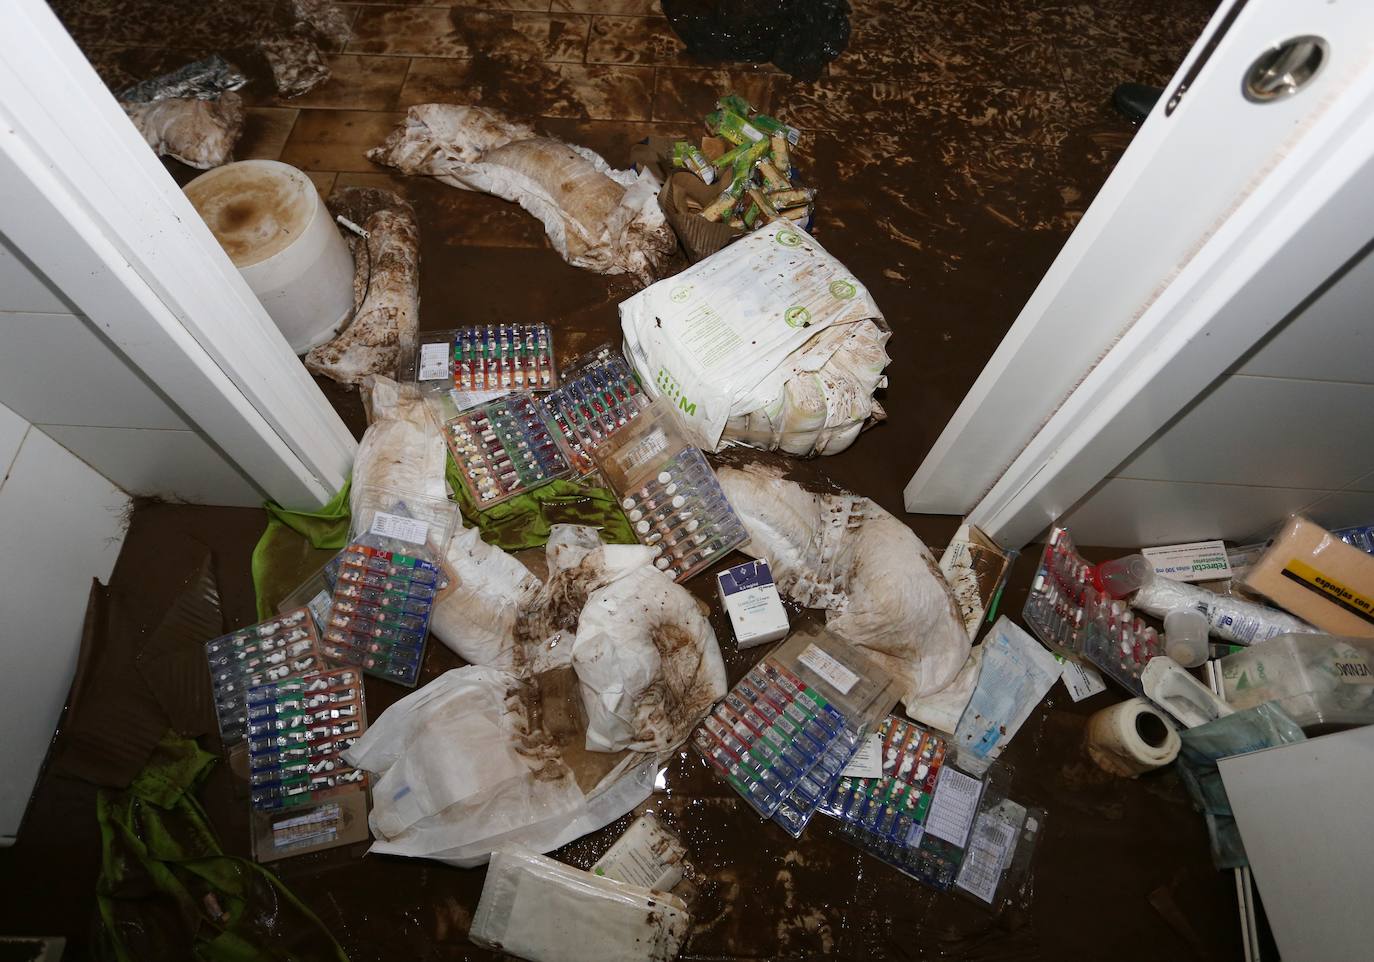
751 598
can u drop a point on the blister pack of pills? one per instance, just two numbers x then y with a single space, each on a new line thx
459 369
297 729
269 651
1068 611
892 805
785 732
669 493
505 448
599 396
387 581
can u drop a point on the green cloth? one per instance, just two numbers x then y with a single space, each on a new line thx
284 548
163 878
525 520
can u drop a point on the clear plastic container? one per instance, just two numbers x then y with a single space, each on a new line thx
1185 636
669 493
1337 675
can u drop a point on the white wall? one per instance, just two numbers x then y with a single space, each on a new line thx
1290 428
62 524
59 373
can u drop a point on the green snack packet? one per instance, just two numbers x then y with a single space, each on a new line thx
770 126
732 127
751 216
691 158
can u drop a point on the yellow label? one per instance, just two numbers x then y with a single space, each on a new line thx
1329 588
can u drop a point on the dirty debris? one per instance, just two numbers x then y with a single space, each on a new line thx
799 36
647 855
544 911
199 133
201 80
596 217
386 288
878 583
465 765
794 362
296 63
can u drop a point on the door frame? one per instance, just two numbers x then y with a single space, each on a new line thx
1019 451
86 200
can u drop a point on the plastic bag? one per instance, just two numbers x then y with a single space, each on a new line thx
800 36
789 364
465 767
648 663
386 288
199 133
879 583
538 909
603 219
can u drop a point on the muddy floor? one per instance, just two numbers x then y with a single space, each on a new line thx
954 145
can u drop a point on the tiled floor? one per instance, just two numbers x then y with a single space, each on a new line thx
955 145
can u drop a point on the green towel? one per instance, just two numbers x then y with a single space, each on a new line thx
288 550
167 891
298 543
525 520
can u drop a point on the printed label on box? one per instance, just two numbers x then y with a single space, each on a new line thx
1197 561
403 529
828 668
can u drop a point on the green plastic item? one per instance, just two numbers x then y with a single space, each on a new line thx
167 891
294 544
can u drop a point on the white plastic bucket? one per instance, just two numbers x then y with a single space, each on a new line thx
273 224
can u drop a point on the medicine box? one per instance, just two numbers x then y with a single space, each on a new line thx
749 595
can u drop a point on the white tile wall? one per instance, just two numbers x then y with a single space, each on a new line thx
1333 340
176 465
59 373
1290 429
12 431
68 523
1131 513
1270 431
81 380
24 289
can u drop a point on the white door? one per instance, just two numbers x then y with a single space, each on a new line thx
1242 192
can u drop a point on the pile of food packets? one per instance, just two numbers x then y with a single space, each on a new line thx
751 154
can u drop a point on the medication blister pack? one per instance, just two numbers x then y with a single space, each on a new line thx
893 807
1070 613
599 396
297 729
460 369
504 448
782 736
669 493
269 651
379 613
388 578
767 735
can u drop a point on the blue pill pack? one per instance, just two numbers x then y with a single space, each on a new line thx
784 734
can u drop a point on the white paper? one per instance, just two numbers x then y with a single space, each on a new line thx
467 400
868 760
433 361
1081 681
403 529
1197 561
986 856
828 668
955 804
